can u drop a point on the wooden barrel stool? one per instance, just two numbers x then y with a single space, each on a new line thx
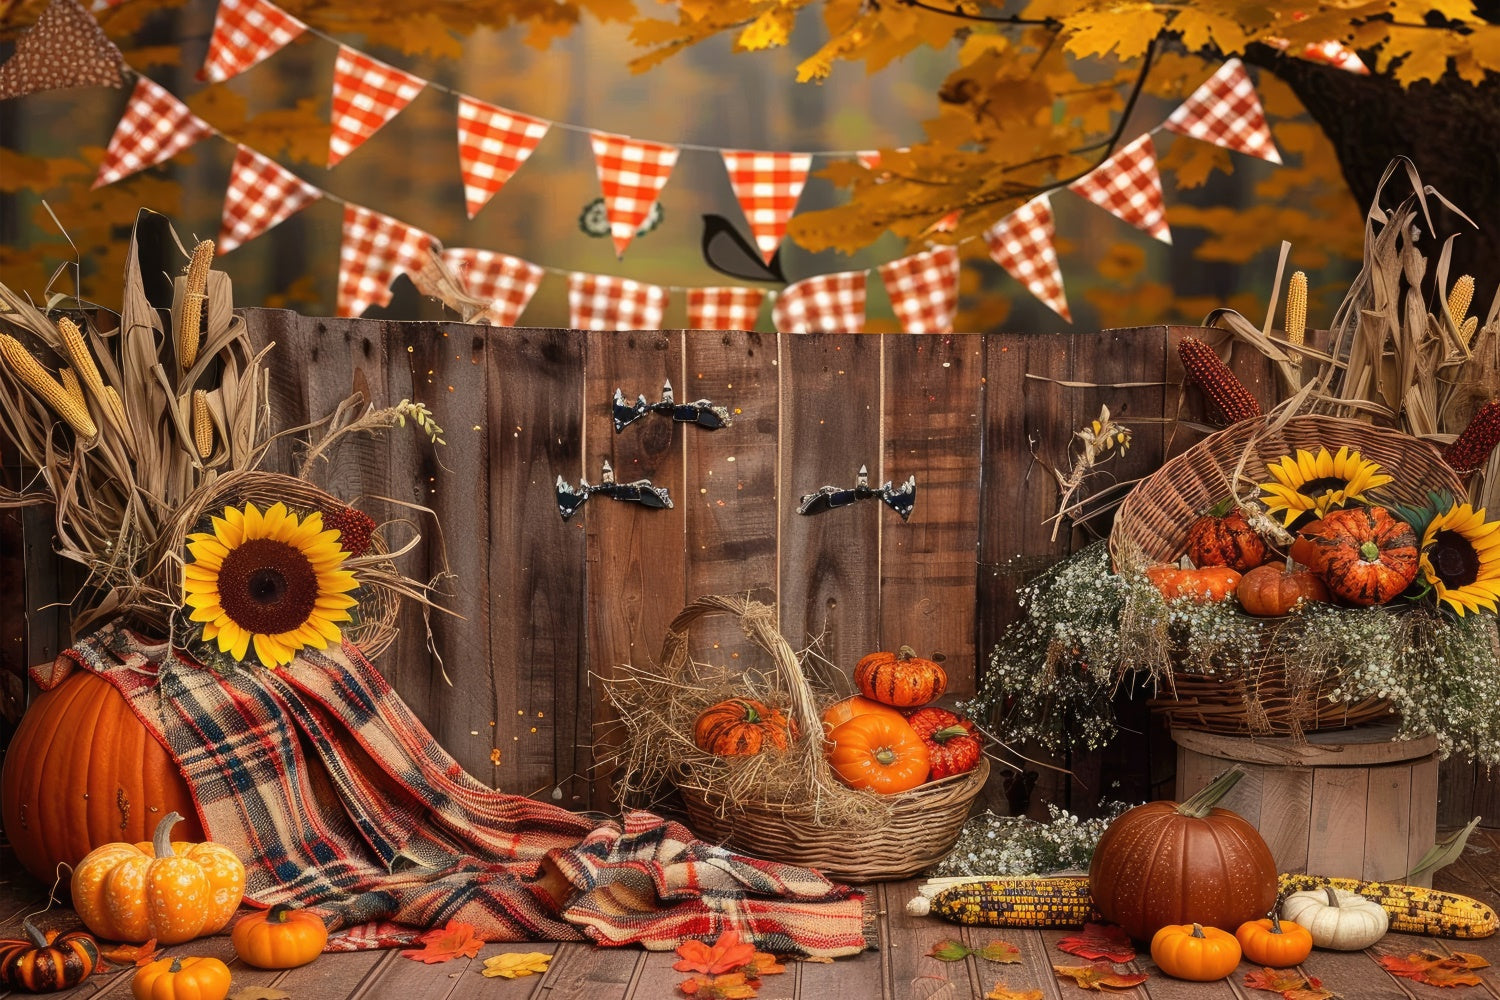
1349 802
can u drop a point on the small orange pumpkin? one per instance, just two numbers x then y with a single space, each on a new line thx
1275 589
879 753
841 712
47 963
740 727
282 937
902 678
1269 942
1208 585
1196 953
1367 555
1222 537
176 978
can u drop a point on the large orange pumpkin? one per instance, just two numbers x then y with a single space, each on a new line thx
902 678
81 772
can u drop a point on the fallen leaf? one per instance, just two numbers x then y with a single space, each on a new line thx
731 986
1000 951
132 954
762 964
820 959
1467 960
1435 969
724 955
446 943
1275 980
1002 992
1097 941
1309 993
1447 975
514 965
950 951
1100 976
259 993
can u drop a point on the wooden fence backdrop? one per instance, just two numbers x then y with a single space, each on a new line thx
543 609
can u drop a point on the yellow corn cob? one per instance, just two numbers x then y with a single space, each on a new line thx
70 383
1467 330
44 385
203 424
88 372
1459 297
1412 909
192 303
1296 311
1060 901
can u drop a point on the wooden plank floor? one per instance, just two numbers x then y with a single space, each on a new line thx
900 970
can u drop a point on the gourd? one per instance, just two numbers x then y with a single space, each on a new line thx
47 963
1269 942
192 978
1222 537
879 753
1338 920
738 727
1274 589
902 678
282 937
1193 952
1164 863
953 745
1412 909
1366 556
842 711
172 891
1208 585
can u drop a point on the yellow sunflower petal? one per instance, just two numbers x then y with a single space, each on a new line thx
270 652
229 532
255 522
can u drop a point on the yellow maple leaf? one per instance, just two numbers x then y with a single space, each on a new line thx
515 964
768 31
1003 992
1126 29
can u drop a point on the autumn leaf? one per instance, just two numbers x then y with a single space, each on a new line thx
1099 941
1100 976
949 951
1002 992
762 964
514 965
132 954
724 955
1000 951
732 986
451 941
1467 960
1275 980
1309 993
1435 969
1125 28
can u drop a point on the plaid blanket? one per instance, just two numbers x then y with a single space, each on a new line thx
337 798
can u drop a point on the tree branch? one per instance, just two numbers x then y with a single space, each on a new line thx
1045 22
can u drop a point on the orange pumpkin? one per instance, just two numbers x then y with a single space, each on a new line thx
841 712
902 678
282 937
1208 585
1305 549
1196 953
1273 589
1367 555
1269 942
879 753
1225 539
739 727
177 978
47 962
82 771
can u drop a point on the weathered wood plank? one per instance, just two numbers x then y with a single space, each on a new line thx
1285 799
584 970
1337 818
913 973
1388 843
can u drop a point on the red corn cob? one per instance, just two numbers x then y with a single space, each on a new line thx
354 526
1472 448
1226 393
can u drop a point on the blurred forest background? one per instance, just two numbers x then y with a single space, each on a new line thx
1227 223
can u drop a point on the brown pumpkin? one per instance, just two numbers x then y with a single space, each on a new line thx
1366 555
1164 863
81 772
1275 589
902 678
738 727
1203 586
47 963
1225 539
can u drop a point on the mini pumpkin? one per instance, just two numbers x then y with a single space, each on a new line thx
841 712
953 745
1222 537
741 727
177 978
902 678
1271 943
1275 589
1208 585
47 963
879 753
172 891
1366 556
282 937
1336 919
1196 953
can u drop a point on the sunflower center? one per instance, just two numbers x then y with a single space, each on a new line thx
267 586
1314 489
1454 559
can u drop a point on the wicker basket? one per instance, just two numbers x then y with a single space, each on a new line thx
900 836
1153 524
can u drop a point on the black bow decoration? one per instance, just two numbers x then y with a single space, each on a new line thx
728 252
900 499
570 498
701 412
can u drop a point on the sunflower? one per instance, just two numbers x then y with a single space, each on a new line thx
268 579
1308 486
1461 558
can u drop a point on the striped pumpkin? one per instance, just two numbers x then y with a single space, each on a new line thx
738 727
902 678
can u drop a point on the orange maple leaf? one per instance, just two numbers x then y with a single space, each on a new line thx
1100 976
132 954
724 955
1003 992
1099 941
732 986
762 964
1435 969
454 939
1276 980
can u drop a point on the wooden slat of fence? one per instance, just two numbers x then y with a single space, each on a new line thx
932 401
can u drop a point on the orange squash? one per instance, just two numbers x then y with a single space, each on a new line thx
282 937
177 978
902 678
1196 953
1208 585
1222 537
841 712
1269 942
738 727
879 753
1367 556
1272 589
47 963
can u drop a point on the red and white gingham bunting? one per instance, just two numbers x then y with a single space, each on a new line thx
492 145
1022 244
261 194
1226 112
1128 185
828 303
767 186
508 282
375 249
156 126
367 93
632 173
924 289
723 308
603 302
245 32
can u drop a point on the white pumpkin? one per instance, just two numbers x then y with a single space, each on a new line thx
1338 920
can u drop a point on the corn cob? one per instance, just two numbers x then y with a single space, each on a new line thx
203 424
70 383
45 386
1060 901
1459 297
192 303
87 370
1412 909
1224 391
1472 448
1467 330
1296 311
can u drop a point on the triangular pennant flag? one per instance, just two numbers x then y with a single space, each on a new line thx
767 186
155 127
602 302
246 32
508 282
261 194
1128 185
375 249
632 173
1226 112
924 289
492 145
1022 244
828 303
723 308
64 48
366 94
